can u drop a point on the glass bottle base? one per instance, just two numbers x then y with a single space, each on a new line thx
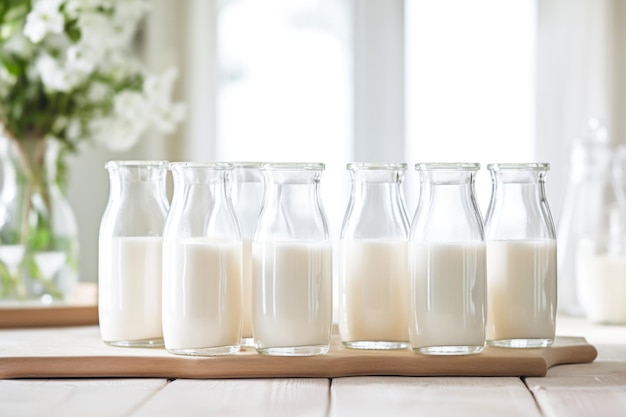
375 345
208 351
521 343
294 350
448 350
146 343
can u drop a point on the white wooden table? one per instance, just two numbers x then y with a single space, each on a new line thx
596 389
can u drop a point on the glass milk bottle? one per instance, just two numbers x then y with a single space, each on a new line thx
201 263
248 198
373 264
292 264
521 261
447 263
588 192
601 256
130 248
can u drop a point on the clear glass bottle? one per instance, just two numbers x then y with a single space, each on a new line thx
447 262
373 264
247 197
202 263
583 212
130 254
521 261
292 264
601 255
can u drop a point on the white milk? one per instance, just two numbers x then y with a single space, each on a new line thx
603 280
201 296
448 294
373 291
246 327
291 294
521 291
129 291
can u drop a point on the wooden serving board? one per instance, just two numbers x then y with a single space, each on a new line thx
79 352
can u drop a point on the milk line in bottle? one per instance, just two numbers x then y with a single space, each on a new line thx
130 254
202 275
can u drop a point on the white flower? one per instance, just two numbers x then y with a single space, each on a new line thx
117 135
18 45
96 31
123 129
98 91
52 74
74 8
131 105
158 90
44 18
80 62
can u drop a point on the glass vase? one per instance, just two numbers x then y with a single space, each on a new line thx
38 230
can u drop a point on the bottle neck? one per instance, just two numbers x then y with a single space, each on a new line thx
518 208
292 208
376 208
447 210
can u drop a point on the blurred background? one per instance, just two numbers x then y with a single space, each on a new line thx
336 81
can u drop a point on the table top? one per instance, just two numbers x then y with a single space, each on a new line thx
597 389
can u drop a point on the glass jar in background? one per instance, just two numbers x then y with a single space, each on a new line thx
583 212
247 195
447 263
373 265
601 256
130 249
292 264
202 254
521 261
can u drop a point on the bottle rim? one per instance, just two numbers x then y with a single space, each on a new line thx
517 166
376 166
220 166
447 166
247 164
293 166
137 164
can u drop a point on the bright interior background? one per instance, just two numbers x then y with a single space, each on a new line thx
337 81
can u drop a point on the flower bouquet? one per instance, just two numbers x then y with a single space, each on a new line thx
67 76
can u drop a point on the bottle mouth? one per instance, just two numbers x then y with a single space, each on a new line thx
217 166
527 166
159 164
376 166
447 166
293 166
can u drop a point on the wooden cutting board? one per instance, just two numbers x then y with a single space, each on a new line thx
79 352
